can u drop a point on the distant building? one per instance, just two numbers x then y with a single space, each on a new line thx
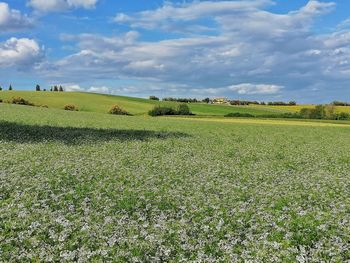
220 101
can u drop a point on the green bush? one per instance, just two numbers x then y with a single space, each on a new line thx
183 109
160 111
153 98
70 107
20 101
0 100
343 116
238 114
116 110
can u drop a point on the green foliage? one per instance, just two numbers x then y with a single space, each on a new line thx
206 100
0 88
117 110
60 89
281 115
55 88
183 109
153 98
340 103
238 114
20 101
70 107
327 112
160 111
37 88
10 87
185 100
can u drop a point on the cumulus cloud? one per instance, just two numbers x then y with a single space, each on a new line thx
20 52
60 5
267 53
12 20
78 88
248 88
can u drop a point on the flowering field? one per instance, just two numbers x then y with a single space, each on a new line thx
90 187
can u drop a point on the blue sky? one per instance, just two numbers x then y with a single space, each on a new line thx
258 49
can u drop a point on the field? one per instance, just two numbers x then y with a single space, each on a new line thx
93 187
102 103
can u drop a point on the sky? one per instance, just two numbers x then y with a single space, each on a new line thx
255 50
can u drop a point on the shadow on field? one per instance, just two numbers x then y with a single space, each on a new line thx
22 133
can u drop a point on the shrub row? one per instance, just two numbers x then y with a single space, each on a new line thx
321 112
182 109
185 100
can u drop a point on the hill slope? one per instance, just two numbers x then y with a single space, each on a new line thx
102 103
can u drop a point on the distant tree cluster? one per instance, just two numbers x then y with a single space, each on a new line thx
271 103
57 88
340 103
281 103
243 102
10 88
327 112
153 98
184 100
182 109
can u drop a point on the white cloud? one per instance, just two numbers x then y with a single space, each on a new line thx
248 88
12 20
73 88
78 88
165 16
20 52
103 89
267 53
60 5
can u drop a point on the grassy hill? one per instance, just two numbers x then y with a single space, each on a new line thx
102 103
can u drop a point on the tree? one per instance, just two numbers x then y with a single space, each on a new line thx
37 88
0 88
10 88
55 88
206 100
44 89
153 98
60 89
51 89
183 109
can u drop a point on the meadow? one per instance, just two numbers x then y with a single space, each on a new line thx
102 103
92 187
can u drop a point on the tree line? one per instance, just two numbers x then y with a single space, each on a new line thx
38 88
231 102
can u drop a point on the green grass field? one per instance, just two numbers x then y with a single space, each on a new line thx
102 103
92 187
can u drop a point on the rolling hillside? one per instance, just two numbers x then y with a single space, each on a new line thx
102 103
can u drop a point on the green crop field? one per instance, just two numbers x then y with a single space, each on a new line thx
92 187
102 103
